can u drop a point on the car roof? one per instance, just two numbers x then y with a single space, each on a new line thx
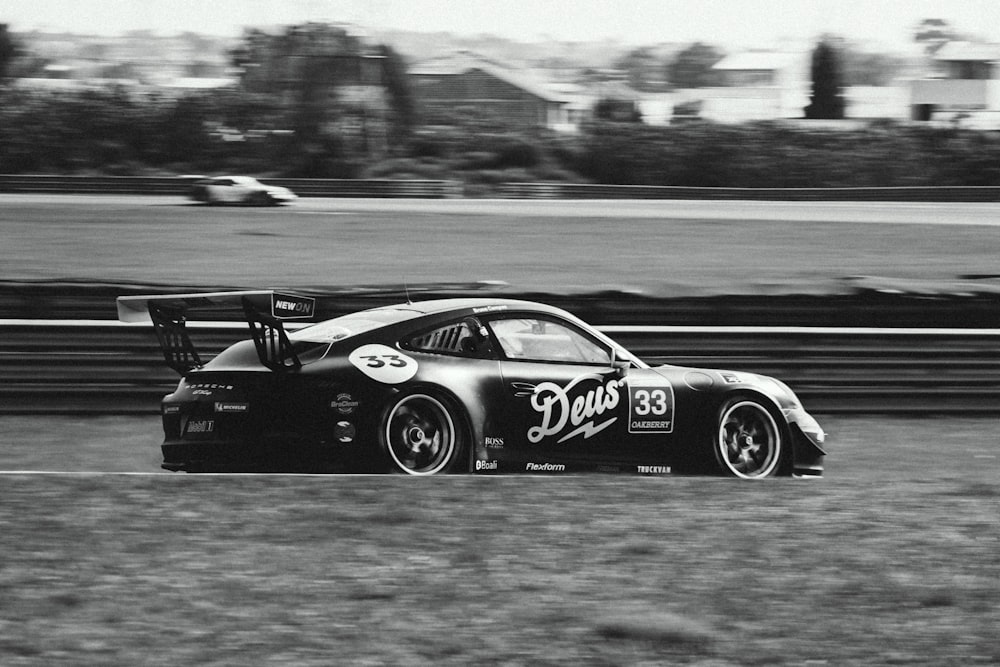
436 306
363 321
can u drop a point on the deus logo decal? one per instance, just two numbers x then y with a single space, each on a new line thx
580 408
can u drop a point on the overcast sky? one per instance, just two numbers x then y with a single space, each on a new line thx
733 23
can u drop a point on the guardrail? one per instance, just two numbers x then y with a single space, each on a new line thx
903 194
437 189
104 367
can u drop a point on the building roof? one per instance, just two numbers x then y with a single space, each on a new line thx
467 61
755 61
968 51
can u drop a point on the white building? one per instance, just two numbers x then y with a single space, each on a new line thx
966 89
758 85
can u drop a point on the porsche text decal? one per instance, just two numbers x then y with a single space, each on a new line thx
383 363
576 408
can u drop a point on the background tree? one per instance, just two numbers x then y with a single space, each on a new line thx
318 74
692 67
933 34
827 100
9 50
400 94
642 69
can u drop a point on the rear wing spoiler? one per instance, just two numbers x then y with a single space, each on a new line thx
264 311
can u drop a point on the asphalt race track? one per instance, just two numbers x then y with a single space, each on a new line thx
664 247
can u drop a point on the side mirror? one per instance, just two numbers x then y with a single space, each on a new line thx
620 366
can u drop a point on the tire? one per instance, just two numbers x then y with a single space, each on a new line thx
422 435
260 199
749 443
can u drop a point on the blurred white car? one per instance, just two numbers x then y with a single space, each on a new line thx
239 190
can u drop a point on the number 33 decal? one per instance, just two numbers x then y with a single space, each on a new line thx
383 364
659 405
378 361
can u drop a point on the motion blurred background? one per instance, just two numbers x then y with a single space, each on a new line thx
741 93
891 559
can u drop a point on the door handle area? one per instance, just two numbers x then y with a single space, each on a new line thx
522 389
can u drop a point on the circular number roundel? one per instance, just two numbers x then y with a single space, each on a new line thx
383 364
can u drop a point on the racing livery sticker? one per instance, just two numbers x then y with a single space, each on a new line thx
651 406
221 406
383 363
493 442
290 306
344 431
345 403
545 467
576 408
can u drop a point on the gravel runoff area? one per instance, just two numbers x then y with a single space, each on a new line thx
892 558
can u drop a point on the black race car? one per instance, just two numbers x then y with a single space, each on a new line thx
458 385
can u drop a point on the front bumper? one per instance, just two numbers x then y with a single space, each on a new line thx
808 438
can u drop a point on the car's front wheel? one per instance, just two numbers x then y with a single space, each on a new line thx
261 199
749 442
422 436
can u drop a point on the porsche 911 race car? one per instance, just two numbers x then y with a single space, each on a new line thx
458 385
239 190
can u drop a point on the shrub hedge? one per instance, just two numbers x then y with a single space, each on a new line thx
112 131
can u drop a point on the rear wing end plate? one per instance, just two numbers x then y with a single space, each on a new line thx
263 310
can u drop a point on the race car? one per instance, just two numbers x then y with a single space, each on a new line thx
239 190
474 385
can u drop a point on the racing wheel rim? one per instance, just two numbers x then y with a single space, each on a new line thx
420 435
749 441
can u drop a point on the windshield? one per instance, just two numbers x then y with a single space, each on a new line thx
351 325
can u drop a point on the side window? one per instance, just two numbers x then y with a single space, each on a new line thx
455 338
537 339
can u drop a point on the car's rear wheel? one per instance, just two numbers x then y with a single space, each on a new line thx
422 435
749 443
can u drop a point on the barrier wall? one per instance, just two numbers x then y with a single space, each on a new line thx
110 368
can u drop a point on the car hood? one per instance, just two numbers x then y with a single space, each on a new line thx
715 379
